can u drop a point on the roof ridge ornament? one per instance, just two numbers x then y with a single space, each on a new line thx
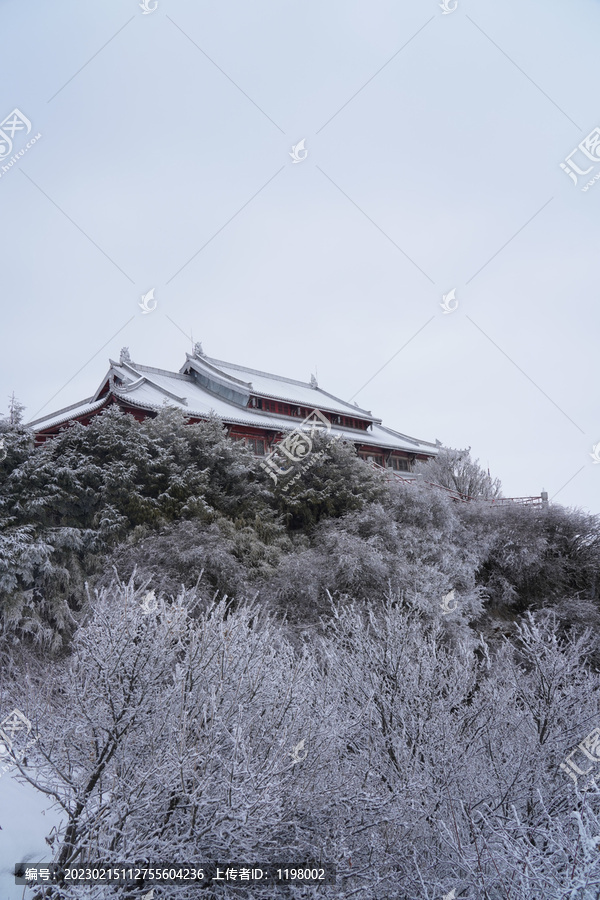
198 351
125 357
313 382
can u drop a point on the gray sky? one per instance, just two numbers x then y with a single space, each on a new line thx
434 147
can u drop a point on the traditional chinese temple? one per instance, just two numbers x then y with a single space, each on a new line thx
256 407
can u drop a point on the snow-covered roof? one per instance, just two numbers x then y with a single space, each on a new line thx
207 386
67 413
275 387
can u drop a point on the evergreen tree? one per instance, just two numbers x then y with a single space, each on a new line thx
329 482
15 411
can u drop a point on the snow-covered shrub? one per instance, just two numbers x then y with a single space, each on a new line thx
339 481
411 764
457 753
231 556
533 557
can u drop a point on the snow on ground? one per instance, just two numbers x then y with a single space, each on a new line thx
26 817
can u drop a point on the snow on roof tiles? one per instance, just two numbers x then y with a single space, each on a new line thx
288 390
67 413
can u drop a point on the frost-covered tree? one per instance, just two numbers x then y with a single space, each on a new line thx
531 558
329 482
15 411
457 752
191 734
456 470
233 557
16 442
412 542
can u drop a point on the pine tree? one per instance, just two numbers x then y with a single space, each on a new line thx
15 409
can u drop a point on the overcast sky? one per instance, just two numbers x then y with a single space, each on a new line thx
433 144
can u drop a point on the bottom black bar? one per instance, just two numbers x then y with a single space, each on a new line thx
147 875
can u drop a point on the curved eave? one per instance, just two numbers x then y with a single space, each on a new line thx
123 390
205 368
67 414
424 446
